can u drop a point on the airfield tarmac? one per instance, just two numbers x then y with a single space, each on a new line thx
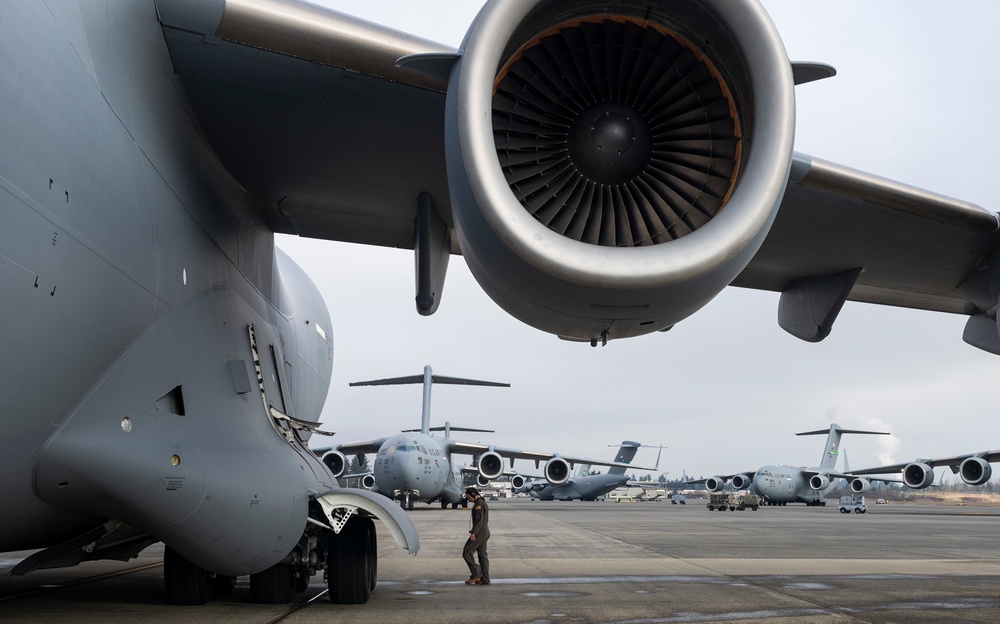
642 563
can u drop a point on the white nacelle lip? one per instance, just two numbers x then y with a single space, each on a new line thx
918 475
560 464
701 252
490 465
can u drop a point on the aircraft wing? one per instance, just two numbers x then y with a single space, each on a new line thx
468 448
951 462
727 477
308 110
849 476
363 447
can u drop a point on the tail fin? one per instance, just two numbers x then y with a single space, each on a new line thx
832 449
626 451
427 379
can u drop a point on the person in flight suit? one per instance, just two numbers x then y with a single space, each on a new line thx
479 534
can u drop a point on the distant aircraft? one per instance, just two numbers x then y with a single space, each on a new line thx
974 468
416 466
587 487
781 484
165 365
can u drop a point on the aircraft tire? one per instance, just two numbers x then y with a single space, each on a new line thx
185 582
349 559
272 586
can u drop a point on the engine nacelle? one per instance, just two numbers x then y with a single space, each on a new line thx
335 461
482 481
368 481
860 485
742 481
819 482
715 484
604 203
975 471
918 475
490 465
557 470
517 482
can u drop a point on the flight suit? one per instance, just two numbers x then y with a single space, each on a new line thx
481 529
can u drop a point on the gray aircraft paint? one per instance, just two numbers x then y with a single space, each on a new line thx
413 466
780 484
587 487
133 268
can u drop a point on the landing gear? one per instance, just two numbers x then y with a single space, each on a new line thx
273 585
186 583
352 562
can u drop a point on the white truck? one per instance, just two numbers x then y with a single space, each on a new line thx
855 503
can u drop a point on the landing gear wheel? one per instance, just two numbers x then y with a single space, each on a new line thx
351 560
272 586
186 583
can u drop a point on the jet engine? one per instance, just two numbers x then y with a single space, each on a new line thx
336 462
368 481
976 471
860 485
715 484
490 465
918 475
482 481
557 470
742 481
517 482
819 482
613 167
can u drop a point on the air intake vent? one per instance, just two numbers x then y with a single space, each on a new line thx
616 132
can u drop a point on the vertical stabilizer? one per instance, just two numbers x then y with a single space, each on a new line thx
425 411
626 451
832 449
427 379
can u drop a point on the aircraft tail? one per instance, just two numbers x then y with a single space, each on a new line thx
626 451
427 379
832 449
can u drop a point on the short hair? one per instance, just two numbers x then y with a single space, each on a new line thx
471 491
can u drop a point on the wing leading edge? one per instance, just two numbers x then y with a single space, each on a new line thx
311 111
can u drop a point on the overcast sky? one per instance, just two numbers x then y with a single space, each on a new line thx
915 100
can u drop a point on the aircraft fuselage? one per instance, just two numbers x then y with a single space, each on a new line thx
415 466
787 484
133 268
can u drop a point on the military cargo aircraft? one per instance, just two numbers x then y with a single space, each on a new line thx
412 466
605 169
585 486
780 484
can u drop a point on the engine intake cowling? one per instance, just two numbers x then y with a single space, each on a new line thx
860 485
819 482
557 470
918 475
612 170
715 484
975 470
517 482
490 465
368 481
742 481
336 462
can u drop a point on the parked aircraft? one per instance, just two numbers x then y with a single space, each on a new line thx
165 365
583 487
781 484
974 468
411 466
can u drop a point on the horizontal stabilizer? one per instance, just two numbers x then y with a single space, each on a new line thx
825 431
438 379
